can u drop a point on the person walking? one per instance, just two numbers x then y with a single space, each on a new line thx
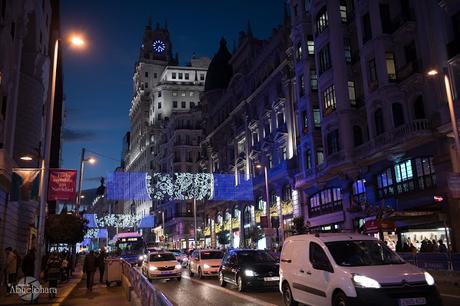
28 263
10 269
101 265
89 267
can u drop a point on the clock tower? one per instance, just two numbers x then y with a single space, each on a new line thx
156 45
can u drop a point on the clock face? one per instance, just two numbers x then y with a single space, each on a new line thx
158 46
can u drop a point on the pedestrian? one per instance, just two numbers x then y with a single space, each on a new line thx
28 263
435 245
18 262
64 268
101 264
442 247
10 269
53 273
89 267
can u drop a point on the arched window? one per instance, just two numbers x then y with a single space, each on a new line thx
357 135
398 114
419 108
378 119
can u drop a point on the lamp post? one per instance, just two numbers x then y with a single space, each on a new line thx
83 160
78 42
194 219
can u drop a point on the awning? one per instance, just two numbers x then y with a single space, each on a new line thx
147 222
375 226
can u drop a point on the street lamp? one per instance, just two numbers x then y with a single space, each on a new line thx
46 157
267 200
83 160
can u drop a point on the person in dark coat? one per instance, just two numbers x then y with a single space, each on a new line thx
53 273
89 267
28 263
101 264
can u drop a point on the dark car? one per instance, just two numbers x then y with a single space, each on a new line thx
249 268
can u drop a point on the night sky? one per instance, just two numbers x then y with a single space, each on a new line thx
98 80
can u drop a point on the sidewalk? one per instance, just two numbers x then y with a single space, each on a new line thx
63 291
100 296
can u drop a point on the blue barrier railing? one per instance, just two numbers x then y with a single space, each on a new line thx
147 293
433 261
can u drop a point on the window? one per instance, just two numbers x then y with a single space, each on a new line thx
308 159
159 116
182 93
12 30
283 153
173 75
270 161
201 76
192 104
357 135
378 119
317 117
155 75
321 20
410 52
313 80
181 76
329 102
255 137
367 30
187 76
319 156
299 51
183 104
398 115
302 86
146 74
332 140
347 49
159 105
385 17
3 9
351 93
372 70
287 193
159 94
310 45
191 94
304 122
146 85
280 119
419 109
359 191
174 93
390 62
425 172
318 258
324 59
325 202
385 183
343 11
174 104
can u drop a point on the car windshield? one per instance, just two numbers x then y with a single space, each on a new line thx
162 257
356 253
212 255
255 257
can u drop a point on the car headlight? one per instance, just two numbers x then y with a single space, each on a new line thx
429 279
206 266
365 282
178 267
153 268
141 257
249 273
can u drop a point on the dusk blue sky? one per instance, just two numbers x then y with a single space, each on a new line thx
98 80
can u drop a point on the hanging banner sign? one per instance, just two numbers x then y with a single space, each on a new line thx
62 185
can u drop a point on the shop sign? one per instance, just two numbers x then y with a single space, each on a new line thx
375 226
62 185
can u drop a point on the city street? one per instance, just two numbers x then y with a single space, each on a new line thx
193 291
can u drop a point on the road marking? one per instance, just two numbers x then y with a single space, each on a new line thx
450 296
237 294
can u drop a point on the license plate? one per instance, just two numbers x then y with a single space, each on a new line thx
166 273
412 301
271 279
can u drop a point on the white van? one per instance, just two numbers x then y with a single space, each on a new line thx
341 269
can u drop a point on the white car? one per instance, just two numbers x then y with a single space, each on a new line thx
205 262
350 269
160 265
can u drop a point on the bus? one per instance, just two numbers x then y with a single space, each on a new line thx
130 247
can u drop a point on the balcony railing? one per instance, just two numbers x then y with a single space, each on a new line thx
325 209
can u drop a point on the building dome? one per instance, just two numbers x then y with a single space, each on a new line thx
219 70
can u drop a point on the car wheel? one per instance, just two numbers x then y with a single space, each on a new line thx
200 274
241 285
340 299
288 299
222 282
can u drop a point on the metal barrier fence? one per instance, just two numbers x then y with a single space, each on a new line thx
433 261
147 293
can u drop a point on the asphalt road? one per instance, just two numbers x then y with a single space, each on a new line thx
193 291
